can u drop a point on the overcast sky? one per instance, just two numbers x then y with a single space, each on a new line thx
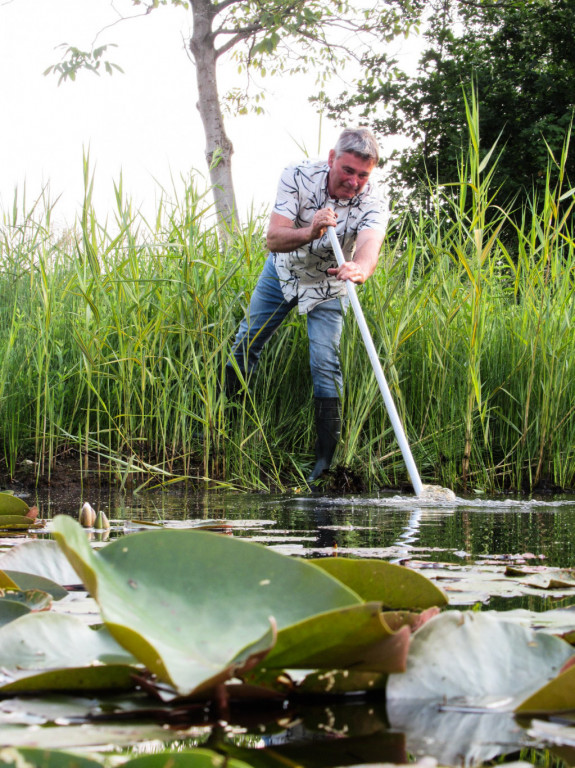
142 123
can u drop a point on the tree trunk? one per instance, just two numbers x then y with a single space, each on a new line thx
219 148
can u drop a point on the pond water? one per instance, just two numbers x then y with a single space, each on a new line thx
467 547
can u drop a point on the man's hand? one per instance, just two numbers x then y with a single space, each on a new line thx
365 259
349 271
322 219
283 237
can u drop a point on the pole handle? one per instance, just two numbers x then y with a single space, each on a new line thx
378 371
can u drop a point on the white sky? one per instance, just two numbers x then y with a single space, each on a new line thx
143 123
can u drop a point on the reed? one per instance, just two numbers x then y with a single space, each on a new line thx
113 339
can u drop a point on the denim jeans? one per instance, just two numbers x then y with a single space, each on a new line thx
268 308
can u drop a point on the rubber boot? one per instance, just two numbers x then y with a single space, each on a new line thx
328 427
232 384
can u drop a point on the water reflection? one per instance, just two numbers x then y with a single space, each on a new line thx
385 526
463 545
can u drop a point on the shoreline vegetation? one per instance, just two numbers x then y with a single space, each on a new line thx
113 341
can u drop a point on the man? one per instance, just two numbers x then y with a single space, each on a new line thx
302 270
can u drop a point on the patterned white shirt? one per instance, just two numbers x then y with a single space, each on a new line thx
302 191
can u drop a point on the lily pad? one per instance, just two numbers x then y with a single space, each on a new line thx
471 657
18 523
86 735
6 581
196 758
194 606
12 505
41 641
10 610
393 585
356 638
34 599
28 581
102 677
44 758
41 558
556 696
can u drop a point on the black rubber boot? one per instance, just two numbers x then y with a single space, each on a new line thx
328 427
232 384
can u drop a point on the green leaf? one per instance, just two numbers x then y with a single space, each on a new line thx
190 605
356 637
10 610
471 657
34 599
40 641
102 677
393 585
6 581
196 758
44 758
13 521
87 735
12 505
26 581
41 558
555 696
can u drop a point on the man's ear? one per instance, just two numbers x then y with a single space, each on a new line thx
331 157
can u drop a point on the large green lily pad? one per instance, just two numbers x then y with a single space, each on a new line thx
393 585
472 657
357 637
194 606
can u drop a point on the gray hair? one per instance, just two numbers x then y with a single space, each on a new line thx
360 142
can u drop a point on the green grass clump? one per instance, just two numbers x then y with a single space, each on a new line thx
113 339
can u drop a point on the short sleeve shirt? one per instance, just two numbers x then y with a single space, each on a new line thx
302 191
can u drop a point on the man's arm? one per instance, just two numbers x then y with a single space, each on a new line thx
283 236
368 246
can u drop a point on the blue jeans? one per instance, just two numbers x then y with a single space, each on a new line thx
268 308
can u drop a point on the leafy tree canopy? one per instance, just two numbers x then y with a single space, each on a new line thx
518 55
271 37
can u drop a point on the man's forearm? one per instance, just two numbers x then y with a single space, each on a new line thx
286 239
283 236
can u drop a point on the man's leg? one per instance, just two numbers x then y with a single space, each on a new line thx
267 310
324 326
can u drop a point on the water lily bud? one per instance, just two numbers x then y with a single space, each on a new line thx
102 523
87 516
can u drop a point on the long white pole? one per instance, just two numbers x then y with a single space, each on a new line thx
377 369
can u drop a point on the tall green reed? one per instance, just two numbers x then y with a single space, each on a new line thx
115 334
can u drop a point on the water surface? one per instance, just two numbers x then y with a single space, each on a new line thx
465 546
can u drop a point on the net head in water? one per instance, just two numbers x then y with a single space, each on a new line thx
437 493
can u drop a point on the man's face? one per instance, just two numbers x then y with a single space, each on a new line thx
348 174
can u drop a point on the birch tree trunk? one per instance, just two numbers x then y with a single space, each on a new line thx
219 148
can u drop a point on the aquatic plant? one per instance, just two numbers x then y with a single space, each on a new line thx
114 336
193 617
